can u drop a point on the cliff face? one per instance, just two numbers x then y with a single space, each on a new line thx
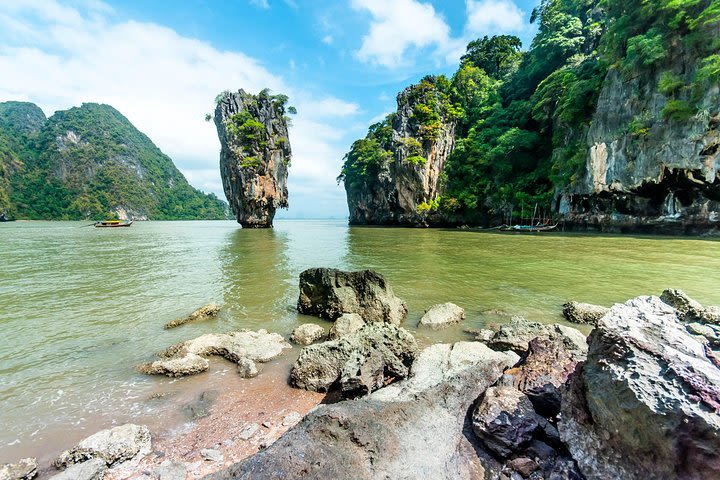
405 175
652 161
255 155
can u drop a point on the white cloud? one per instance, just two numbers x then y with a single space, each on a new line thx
330 107
400 30
162 81
260 3
327 39
493 16
398 25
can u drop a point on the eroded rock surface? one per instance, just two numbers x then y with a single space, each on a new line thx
355 359
543 372
347 323
114 445
442 315
645 404
188 358
418 431
93 469
24 469
329 293
205 312
254 156
578 312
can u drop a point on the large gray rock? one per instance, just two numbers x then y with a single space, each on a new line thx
578 312
93 469
517 334
320 366
442 315
329 293
114 445
347 323
188 358
441 361
418 431
645 403
24 469
254 155
307 333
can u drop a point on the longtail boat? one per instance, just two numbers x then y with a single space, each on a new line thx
113 223
528 228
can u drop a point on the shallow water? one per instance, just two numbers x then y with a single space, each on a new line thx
79 307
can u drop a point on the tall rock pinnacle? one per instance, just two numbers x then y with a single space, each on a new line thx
255 154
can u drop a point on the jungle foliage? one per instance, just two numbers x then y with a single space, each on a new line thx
88 162
523 116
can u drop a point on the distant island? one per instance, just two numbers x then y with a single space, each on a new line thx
90 162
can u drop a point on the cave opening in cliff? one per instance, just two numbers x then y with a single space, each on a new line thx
677 188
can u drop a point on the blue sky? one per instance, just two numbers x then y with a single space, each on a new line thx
162 62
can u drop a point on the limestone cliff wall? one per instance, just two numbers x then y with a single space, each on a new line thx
254 156
413 173
647 169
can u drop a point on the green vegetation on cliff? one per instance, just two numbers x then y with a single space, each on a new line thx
89 162
524 116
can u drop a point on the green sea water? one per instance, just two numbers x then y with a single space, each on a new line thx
80 306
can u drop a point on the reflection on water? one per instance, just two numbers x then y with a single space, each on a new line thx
79 307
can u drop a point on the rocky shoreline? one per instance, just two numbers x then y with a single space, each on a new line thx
638 398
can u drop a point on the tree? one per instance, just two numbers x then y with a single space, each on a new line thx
497 55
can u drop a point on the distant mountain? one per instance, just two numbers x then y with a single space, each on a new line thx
90 162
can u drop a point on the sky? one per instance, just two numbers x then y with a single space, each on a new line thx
162 62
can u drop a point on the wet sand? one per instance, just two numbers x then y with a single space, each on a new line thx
247 415
216 410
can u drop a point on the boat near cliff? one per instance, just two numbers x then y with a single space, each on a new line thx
113 223
527 228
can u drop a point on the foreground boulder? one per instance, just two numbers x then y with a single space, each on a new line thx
307 333
355 361
411 431
24 469
442 315
329 293
578 312
114 445
645 404
203 313
188 358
